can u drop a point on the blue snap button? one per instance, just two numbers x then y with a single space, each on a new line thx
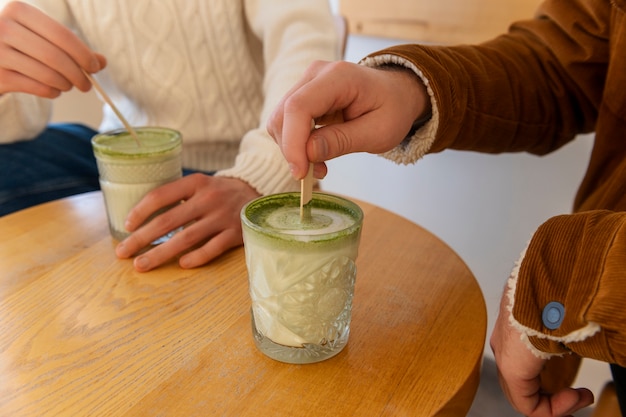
553 315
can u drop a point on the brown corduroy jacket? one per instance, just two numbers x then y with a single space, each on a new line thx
533 90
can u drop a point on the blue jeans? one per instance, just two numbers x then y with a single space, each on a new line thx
58 163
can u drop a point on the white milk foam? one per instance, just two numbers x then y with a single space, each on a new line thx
287 220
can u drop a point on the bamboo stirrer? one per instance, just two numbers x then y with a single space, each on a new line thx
306 189
306 193
108 100
306 183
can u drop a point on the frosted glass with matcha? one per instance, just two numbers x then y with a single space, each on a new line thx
301 274
128 171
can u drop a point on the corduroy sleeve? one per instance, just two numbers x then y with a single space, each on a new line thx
569 290
533 89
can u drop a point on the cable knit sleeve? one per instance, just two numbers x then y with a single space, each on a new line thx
568 292
293 34
22 116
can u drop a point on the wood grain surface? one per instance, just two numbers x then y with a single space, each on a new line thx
83 334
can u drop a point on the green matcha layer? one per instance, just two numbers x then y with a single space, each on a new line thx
155 141
277 217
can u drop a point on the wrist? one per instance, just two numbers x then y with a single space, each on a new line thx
419 98
419 122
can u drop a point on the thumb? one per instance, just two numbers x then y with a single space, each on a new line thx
329 142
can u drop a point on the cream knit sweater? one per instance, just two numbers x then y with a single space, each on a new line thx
213 69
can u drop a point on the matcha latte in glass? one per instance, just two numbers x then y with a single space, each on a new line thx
128 170
301 274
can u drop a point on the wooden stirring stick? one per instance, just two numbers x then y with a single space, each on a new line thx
306 193
108 100
306 183
306 189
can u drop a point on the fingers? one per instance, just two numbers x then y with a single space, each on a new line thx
372 132
561 404
209 214
361 109
320 170
102 63
40 56
166 195
166 223
186 240
32 56
215 247
312 98
519 373
156 201
570 400
527 397
199 242
329 119
331 141
66 42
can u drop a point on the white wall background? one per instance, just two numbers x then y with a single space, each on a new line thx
485 207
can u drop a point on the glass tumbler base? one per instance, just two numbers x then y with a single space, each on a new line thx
308 353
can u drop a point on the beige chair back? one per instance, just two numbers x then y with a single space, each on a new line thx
435 21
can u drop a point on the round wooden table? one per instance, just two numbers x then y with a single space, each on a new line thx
83 334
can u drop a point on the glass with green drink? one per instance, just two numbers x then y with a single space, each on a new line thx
129 168
301 273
